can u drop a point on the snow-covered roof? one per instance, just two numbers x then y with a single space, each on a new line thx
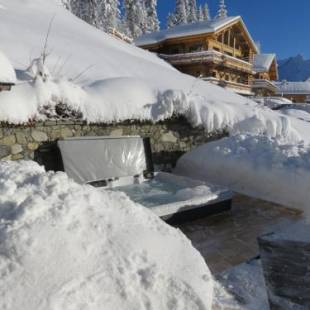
7 72
263 62
293 88
189 30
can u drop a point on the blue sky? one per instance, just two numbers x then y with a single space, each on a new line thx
282 27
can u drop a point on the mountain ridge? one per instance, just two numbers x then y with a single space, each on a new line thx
295 68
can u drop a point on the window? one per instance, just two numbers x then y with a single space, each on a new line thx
226 77
196 48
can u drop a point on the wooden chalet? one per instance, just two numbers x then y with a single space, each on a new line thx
221 51
266 68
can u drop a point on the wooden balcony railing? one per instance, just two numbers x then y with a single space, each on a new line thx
210 56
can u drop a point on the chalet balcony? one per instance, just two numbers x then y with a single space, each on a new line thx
209 56
239 88
264 84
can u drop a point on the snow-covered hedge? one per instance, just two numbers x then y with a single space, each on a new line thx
66 246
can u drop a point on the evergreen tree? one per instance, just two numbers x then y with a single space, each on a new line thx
192 11
151 13
181 12
200 15
206 12
171 20
109 14
222 12
135 17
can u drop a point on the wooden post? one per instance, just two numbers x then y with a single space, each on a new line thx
234 47
286 263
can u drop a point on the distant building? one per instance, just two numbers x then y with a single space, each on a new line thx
298 92
7 73
221 51
266 68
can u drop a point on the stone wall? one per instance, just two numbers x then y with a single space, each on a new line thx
169 139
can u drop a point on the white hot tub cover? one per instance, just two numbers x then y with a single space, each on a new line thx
93 159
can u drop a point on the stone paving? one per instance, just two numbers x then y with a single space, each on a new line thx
229 239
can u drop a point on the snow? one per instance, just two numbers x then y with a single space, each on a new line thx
297 113
273 102
242 288
263 62
257 166
68 246
293 88
107 80
7 73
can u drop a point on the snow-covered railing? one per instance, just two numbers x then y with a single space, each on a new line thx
263 83
208 56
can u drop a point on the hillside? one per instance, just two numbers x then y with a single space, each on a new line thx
108 80
294 69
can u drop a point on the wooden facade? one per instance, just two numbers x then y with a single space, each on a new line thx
298 98
224 56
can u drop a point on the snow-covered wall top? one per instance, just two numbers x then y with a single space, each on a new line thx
7 72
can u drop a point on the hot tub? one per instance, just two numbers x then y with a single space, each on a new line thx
125 164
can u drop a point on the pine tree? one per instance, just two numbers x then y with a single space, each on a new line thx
181 11
109 14
206 13
222 12
200 15
171 20
152 18
135 17
192 11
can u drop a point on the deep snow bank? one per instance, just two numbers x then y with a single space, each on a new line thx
66 246
256 166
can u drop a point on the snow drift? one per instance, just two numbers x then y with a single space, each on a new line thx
67 246
257 166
